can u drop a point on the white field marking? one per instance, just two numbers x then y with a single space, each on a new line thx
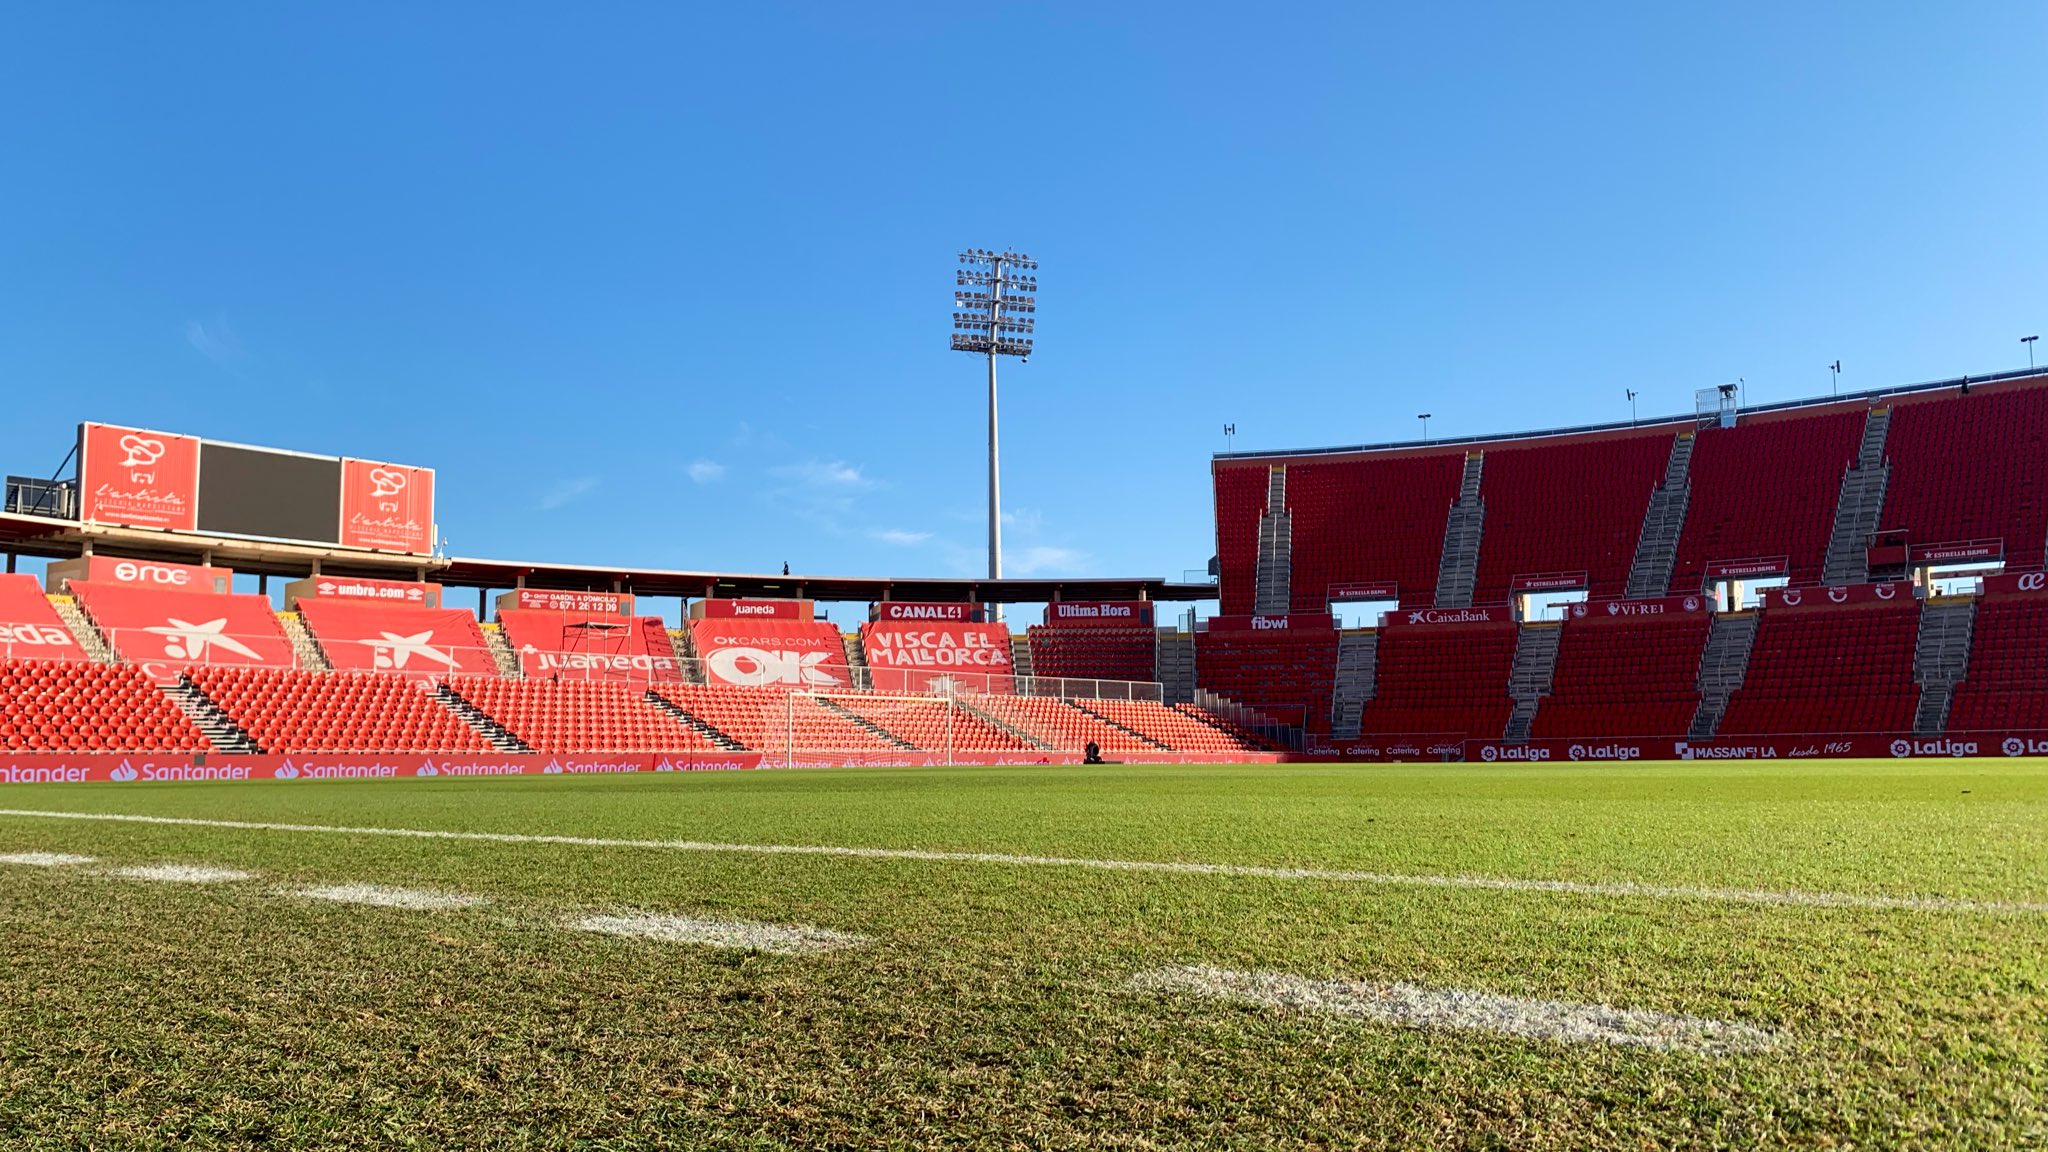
376 895
44 859
1619 889
183 873
786 939
1419 1007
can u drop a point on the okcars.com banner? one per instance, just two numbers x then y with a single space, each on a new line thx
937 658
172 767
772 653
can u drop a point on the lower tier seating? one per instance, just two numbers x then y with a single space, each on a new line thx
578 715
73 706
1290 675
1178 730
1829 670
1625 677
930 725
2007 682
286 710
1442 681
765 719
1053 721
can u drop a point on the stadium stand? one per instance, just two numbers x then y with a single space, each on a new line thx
1625 676
2007 682
1971 467
589 646
1092 653
1058 724
1178 730
165 631
1442 680
1372 519
802 654
1829 670
764 719
30 628
1569 506
1291 675
929 725
1240 501
577 715
1763 489
418 642
287 710
77 706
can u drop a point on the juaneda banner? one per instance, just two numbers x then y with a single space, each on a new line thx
1491 614
387 507
716 609
601 603
1630 609
772 653
408 592
1295 622
29 627
1744 569
907 610
938 658
138 478
1851 594
1101 613
2016 583
156 768
1548 582
147 573
1366 590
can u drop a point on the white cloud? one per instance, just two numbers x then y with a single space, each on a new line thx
567 492
902 537
1043 559
216 341
823 474
706 471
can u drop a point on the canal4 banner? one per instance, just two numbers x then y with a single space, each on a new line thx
938 658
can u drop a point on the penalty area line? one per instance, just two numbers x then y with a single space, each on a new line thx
1609 889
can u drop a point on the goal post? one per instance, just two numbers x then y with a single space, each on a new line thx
868 727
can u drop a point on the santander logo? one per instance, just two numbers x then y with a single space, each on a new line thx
386 482
140 451
123 774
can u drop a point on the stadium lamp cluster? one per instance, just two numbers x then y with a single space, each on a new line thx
995 303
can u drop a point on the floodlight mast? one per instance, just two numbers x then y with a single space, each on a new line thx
995 302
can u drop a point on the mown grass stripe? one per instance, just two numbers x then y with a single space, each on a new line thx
1609 889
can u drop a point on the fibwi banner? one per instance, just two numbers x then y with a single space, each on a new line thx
1898 591
411 592
726 609
1293 622
772 653
1100 613
908 610
938 658
1632 609
1491 614
387 507
137 478
148 573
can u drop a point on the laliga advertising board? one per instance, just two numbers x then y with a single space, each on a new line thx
935 658
772 653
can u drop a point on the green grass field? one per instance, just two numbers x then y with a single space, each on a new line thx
1002 1003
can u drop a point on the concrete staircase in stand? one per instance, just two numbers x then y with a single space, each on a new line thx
1001 723
692 722
501 651
1657 547
1357 677
1859 506
304 647
1529 677
494 733
1457 569
1174 657
222 732
1723 665
1273 580
863 722
1020 656
856 661
1941 658
685 649
90 641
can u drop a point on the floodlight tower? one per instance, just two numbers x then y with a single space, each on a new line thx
995 301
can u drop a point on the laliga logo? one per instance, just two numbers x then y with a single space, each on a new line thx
1488 754
142 451
2013 746
1902 748
123 774
753 667
386 482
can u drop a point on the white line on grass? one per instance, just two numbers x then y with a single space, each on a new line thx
44 859
786 939
379 896
1416 1006
1621 889
183 874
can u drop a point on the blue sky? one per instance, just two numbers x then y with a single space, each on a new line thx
669 286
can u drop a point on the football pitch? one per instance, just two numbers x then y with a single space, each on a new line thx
1843 954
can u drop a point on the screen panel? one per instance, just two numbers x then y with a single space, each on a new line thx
251 492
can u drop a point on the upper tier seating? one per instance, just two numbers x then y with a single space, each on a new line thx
931 725
78 706
1092 653
30 628
2007 683
1380 518
398 638
556 645
1177 730
1060 724
1240 501
764 719
1969 468
288 710
1829 670
803 654
578 715
1290 675
1566 507
1627 676
1765 489
1442 680
165 632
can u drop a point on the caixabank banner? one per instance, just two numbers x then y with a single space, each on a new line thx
931 659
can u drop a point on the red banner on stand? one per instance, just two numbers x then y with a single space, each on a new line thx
1755 567
1958 551
772 653
387 507
545 600
1632 609
1294 622
1548 582
30 628
1896 591
1491 614
1365 590
2016 583
894 610
590 646
938 658
721 609
146 573
138 478
1099 613
408 592
163 767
